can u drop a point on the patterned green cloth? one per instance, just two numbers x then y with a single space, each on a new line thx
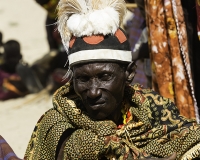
154 128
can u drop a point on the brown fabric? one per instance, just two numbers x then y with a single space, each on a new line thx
169 54
120 35
71 42
94 39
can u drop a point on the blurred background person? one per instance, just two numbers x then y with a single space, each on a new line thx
136 30
11 85
53 37
1 48
49 69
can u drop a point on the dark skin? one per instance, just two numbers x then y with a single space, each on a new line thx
101 88
94 84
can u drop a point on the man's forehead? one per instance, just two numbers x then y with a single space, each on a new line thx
80 65
97 66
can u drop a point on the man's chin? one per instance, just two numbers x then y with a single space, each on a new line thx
98 116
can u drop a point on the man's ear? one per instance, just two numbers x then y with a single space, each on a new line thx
130 72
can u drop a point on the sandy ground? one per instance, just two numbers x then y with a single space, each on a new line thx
23 20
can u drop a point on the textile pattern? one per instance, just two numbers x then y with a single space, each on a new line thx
154 129
171 69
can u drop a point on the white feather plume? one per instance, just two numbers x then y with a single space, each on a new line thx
89 17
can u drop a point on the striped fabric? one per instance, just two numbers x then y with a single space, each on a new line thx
6 152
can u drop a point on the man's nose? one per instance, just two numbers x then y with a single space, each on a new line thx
93 89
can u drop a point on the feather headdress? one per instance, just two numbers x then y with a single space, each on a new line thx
89 17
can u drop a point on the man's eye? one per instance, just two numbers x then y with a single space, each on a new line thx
105 77
83 79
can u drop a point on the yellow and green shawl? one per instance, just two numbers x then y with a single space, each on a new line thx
153 128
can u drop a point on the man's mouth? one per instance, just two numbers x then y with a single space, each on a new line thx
96 105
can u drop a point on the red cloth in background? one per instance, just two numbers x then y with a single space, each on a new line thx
11 86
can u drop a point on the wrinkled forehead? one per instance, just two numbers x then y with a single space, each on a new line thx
99 68
100 64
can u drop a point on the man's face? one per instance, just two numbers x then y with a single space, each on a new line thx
101 88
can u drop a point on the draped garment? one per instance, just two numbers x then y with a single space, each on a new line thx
152 127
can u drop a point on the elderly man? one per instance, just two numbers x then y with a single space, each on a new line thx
100 114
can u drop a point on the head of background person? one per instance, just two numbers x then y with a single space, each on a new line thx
42 2
49 5
130 1
12 55
100 57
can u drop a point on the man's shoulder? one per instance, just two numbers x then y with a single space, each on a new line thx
50 123
140 91
51 118
52 115
47 134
